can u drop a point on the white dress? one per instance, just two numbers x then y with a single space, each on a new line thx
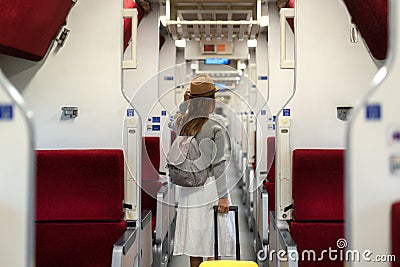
194 235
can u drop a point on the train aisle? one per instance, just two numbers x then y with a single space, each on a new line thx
245 236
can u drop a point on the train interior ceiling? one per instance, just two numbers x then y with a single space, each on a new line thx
308 95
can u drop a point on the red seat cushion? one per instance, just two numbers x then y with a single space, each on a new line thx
153 222
271 159
28 27
78 244
271 173
318 184
79 185
371 18
149 199
396 232
151 158
318 237
270 188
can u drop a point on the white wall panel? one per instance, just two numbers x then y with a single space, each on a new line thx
280 81
372 173
330 71
84 73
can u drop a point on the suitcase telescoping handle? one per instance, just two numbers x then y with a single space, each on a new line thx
231 208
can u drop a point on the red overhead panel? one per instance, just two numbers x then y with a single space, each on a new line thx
371 18
128 21
290 4
28 27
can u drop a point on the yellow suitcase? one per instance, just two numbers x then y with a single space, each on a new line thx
227 263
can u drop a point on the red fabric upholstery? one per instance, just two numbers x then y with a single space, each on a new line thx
271 158
150 203
290 4
128 21
79 185
153 223
151 158
255 151
28 27
150 175
79 244
270 188
271 173
149 199
396 233
78 206
149 196
371 18
318 204
318 237
318 185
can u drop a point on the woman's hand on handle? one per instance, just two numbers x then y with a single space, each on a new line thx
223 205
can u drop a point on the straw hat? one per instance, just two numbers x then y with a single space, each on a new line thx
202 86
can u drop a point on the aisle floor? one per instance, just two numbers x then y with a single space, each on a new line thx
245 236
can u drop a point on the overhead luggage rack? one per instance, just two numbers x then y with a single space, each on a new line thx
210 19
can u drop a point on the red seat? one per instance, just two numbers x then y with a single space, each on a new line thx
271 159
79 212
151 158
317 236
269 182
270 188
318 184
318 195
396 232
150 177
76 243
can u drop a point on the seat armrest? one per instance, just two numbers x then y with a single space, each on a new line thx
289 245
126 241
147 244
264 216
285 242
126 249
164 196
146 218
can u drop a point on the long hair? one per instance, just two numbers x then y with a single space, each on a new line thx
199 109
